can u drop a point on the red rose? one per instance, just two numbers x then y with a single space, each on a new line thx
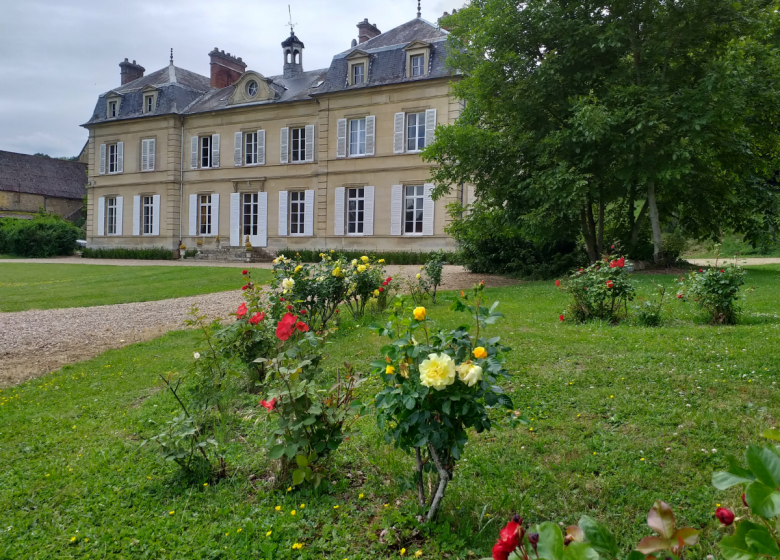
281 299
725 516
381 290
301 326
389 279
610 283
256 318
302 312
337 310
507 541
701 270
289 308
245 286
562 317
679 296
244 272
241 311
722 270
557 283
611 246
613 264
286 326
499 553
268 405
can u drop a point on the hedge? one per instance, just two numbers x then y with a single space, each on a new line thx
43 236
391 257
151 254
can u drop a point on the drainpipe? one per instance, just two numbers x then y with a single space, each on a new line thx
181 179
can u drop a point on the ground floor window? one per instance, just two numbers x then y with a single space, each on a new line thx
111 216
251 213
413 208
204 214
297 212
147 215
356 200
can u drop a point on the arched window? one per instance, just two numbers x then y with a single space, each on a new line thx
296 57
287 57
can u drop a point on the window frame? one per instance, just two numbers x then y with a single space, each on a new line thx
113 108
418 196
421 66
147 214
111 215
112 167
205 203
299 213
250 148
354 73
301 140
149 103
254 214
419 126
350 152
360 217
202 142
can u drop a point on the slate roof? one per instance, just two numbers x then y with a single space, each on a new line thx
185 92
41 175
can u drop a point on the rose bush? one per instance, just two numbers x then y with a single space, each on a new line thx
600 291
436 385
716 290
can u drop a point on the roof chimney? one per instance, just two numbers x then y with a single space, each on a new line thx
225 68
130 71
367 31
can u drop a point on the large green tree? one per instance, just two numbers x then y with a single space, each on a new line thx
644 110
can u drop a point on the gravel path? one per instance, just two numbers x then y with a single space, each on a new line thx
34 342
751 261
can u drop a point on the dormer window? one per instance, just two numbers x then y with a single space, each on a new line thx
418 56
358 74
113 109
417 63
357 68
251 88
148 103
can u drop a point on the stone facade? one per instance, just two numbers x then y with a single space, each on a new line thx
183 198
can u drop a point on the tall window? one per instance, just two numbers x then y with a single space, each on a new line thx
355 205
204 214
358 74
112 106
113 158
357 137
415 132
298 144
251 213
147 215
250 154
149 103
413 209
297 212
205 151
418 61
111 209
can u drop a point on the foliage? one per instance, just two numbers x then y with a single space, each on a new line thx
490 241
600 291
147 253
437 387
390 257
716 290
429 278
760 480
364 277
189 253
46 235
648 313
664 110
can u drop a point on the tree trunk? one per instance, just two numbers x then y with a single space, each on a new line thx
600 242
420 485
444 478
590 243
637 225
655 222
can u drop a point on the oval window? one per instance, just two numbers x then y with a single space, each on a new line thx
251 88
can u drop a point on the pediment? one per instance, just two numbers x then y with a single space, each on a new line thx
113 95
357 53
246 92
150 88
417 44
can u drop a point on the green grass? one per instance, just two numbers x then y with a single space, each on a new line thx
731 244
48 286
600 397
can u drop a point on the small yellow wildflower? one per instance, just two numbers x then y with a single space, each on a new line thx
293 512
86 540
239 530
47 474
418 554
205 484
72 539
360 496
278 508
530 429
642 459
612 396
297 546
335 507
268 534
302 506
289 488
403 551
171 512
594 452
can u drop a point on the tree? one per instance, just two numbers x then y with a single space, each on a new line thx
647 110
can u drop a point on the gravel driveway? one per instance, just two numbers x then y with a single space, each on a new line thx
34 342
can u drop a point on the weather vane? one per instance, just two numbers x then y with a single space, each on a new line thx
171 55
419 12
291 24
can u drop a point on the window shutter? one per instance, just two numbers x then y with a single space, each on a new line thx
215 214
261 147
101 219
428 207
151 151
194 153
341 138
120 207
262 220
471 194
120 157
370 134
396 209
156 214
430 125
338 215
309 143
284 145
308 214
398 133
368 211
102 159
238 139
193 215
144 155
136 215
235 219
215 151
282 212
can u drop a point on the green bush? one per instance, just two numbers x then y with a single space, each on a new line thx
600 291
150 254
390 257
715 290
45 235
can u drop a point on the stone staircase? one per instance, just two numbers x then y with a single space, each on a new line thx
234 254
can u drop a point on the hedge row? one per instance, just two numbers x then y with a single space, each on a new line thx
43 236
390 257
150 254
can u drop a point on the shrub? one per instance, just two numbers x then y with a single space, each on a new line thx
716 290
437 385
429 278
390 257
151 253
648 313
46 235
600 291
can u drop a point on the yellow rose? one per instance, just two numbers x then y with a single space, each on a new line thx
337 272
361 268
389 370
438 371
419 313
469 373
381 261
418 276
376 293
298 268
354 262
480 353
364 259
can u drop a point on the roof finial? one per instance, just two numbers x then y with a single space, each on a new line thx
171 55
419 13
290 23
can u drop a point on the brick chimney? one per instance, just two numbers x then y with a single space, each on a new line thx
225 69
130 71
367 31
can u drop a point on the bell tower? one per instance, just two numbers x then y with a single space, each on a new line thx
293 56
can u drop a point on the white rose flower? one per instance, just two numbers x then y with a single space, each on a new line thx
469 373
438 371
288 284
196 355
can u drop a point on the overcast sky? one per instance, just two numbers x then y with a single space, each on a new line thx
57 56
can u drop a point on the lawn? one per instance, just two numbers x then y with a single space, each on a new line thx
730 245
621 416
47 286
